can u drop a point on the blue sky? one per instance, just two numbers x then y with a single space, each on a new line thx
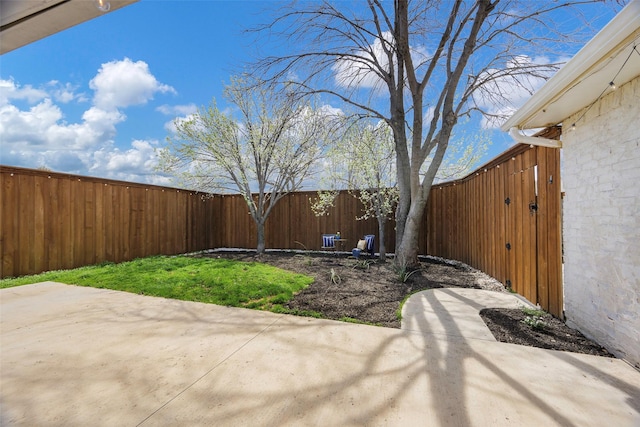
98 98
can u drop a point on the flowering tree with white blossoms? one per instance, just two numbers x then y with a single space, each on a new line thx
362 162
266 153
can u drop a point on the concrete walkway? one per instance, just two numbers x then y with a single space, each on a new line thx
77 356
455 312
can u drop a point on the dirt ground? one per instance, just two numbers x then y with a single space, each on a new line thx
371 291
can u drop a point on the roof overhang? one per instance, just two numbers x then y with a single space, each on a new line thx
583 79
25 21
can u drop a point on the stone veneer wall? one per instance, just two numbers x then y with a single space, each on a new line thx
601 222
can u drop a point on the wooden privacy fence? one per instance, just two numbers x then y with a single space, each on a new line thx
52 221
503 219
292 224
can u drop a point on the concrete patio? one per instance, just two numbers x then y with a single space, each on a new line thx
78 356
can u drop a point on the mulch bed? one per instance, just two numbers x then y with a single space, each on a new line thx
507 325
371 292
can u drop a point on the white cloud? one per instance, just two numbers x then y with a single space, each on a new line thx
352 72
114 163
124 83
501 96
9 90
428 115
65 92
515 87
42 124
170 126
330 111
28 127
39 135
134 164
184 110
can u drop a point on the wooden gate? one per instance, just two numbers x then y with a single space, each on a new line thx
533 232
505 219
520 234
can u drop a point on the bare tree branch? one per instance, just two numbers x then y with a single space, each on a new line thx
420 65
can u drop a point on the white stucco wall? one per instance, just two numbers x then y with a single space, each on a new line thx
601 222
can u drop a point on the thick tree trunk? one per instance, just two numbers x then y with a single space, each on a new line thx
407 253
402 211
398 115
261 245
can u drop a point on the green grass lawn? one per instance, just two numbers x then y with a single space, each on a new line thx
210 280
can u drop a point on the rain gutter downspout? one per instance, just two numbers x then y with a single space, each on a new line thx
533 140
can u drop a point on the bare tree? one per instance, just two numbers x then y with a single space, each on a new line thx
267 153
420 66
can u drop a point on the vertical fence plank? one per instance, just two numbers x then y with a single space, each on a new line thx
191 215
554 236
157 237
65 218
549 235
39 253
9 214
529 237
77 208
25 224
149 230
88 230
501 214
543 232
517 238
100 235
52 223
109 227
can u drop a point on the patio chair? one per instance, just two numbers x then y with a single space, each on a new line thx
370 238
366 244
329 241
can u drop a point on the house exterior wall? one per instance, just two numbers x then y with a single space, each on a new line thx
601 222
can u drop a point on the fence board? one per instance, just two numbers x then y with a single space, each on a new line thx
50 209
501 214
9 214
26 231
554 233
529 240
549 223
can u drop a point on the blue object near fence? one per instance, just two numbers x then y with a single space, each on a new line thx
370 238
328 241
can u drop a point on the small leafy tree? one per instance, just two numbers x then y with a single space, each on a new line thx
268 152
362 162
